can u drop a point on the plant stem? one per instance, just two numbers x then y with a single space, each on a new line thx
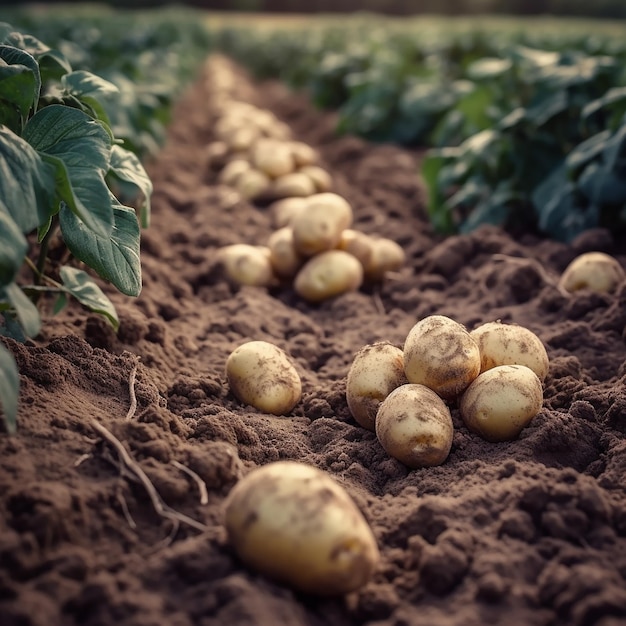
43 250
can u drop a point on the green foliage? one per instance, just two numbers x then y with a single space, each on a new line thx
58 155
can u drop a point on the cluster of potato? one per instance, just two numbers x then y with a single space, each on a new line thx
314 248
494 373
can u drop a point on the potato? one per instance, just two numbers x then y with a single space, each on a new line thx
439 353
387 256
283 211
260 374
232 171
358 244
377 369
303 154
252 184
320 177
294 184
242 139
283 256
273 158
593 270
414 425
319 227
216 155
501 402
510 344
328 274
247 265
297 525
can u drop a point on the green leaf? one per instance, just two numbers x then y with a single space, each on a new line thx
91 89
20 81
25 182
26 311
489 68
9 389
602 186
88 293
587 151
612 102
114 257
126 166
13 247
431 168
60 303
84 147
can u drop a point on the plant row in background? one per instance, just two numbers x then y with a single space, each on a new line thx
527 128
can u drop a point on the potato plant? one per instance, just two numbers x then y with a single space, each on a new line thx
59 162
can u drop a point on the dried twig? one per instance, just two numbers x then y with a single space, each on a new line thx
131 390
378 303
81 459
204 495
128 463
125 510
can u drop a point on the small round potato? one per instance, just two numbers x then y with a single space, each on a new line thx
252 184
303 154
387 256
320 177
261 375
247 265
283 211
414 425
439 353
283 256
377 369
596 271
293 185
328 274
232 171
319 227
272 157
501 402
358 244
297 525
510 344
242 139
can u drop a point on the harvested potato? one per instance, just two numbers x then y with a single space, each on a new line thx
510 344
439 353
283 211
252 184
358 244
273 158
261 375
303 154
320 177
284 258
377 369
319 227
232 171
297 525
242 139
414 425
387 256
247 265
501 402
292 185
328 274
593 270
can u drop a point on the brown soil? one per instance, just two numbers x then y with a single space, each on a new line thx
527 532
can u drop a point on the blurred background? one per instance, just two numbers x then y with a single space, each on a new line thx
582 8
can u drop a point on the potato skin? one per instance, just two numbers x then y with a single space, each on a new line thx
295 524
327 275
414 425
439 353
501 402
377 369
596 271
510 344
260 374
247 265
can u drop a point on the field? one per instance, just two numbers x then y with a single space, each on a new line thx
128 436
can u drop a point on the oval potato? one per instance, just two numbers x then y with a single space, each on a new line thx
510 344
303 154
596 271
272 157
387 256
295 524
377 369
232 171
328 274
284 211
501 402
320 177
260 374
319 227
439 353
294 184
247 265
358 244
283 256
414 425
252 184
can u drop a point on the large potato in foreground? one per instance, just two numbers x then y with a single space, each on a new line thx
439 353
510 344
414 425
501 402
260 374
377 369
593 270
294 523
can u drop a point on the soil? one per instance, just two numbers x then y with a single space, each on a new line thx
531 531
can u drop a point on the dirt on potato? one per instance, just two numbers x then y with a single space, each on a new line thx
531 531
